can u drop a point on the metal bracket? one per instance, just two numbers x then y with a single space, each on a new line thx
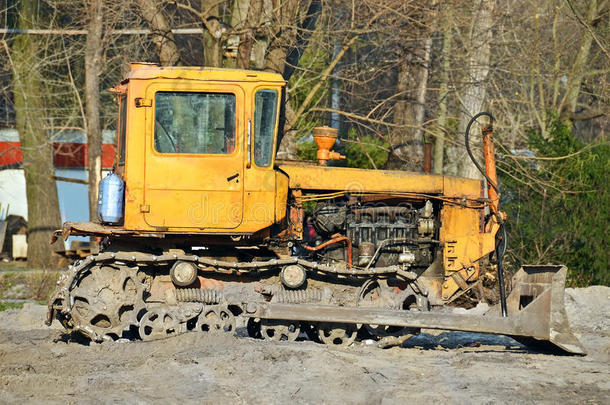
249 144
143 102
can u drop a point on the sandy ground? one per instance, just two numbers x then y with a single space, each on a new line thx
38 366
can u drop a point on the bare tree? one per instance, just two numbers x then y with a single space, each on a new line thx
93 67
569 104
474 92
163 39
443 96
247 40
37 149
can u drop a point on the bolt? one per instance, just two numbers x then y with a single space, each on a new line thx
445 285
251 308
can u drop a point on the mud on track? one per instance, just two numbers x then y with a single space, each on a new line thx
38 366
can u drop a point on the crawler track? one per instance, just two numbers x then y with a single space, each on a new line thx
114 295
110 295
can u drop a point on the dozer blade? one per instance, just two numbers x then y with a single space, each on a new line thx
535 312
537 298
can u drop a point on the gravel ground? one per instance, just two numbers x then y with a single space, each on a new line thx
39 365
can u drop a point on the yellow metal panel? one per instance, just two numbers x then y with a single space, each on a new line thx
187 190
134 161
259 198
463 242
463 245
281 196
461 187
307 177
199 73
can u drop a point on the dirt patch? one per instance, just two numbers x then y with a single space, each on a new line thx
27 284
38 365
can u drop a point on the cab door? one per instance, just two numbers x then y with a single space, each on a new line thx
194 156
261 193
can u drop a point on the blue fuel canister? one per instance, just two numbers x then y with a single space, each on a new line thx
110 199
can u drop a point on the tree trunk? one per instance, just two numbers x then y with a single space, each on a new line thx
304 31
419 107
212 50
282 56
164 38
259 51
36 146
397 158
439 144
252 10
408 141
579 66
93 65
284 34
213 34
475 90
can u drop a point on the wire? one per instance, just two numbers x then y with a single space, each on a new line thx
467 144
463 202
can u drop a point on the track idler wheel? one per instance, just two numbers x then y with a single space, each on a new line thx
158 323
337 333
217 319
279 330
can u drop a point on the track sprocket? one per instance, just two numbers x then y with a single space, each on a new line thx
106 301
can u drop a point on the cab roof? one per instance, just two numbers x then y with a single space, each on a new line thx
145 71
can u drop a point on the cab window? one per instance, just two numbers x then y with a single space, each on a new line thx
265 110
122 127
194 122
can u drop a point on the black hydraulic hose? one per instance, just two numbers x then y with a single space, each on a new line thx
500 250
467 144
501 241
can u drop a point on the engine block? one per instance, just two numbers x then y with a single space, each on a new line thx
381 233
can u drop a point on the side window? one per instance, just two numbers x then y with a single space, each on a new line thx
122 126
265 108
194 122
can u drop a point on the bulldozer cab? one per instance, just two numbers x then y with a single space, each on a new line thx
205 140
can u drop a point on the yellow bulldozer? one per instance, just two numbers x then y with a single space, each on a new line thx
203 229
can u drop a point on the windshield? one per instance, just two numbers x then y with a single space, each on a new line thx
265 108
194 122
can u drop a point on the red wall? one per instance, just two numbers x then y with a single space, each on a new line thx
65 154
